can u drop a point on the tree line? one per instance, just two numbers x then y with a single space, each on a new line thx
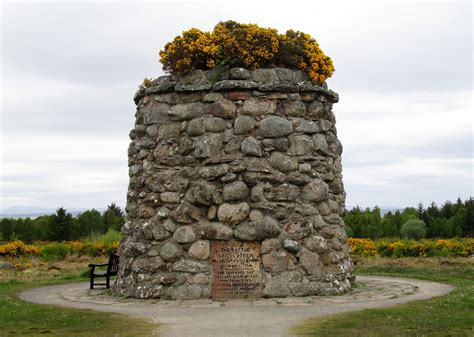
62 225
447 221
452 219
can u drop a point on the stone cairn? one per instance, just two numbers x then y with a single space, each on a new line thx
235 189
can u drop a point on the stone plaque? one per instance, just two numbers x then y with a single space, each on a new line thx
235 269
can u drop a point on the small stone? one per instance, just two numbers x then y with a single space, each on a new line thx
235 191
325 125
291 108
255 214
196 127
169 131
270 245
244 125
171 251
214 171
212 97
304 168
291 245
264 75
208 146
301 145
200 250
170 225
256 107
234 84
201 278
316 110
223 108
257 230
184 234
213 231
201 192
240 74
282 162
190 266
182 112
283 192
212 213
237 96
310 261
317 190
145 212
305 126
170 197
233 213
214 124
275 262
251 147
298 229
274 126
152 131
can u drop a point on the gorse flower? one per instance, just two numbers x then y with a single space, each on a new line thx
245 45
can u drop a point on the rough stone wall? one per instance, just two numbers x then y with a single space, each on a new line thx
234 155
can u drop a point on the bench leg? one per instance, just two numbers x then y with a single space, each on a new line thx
107 282
92 282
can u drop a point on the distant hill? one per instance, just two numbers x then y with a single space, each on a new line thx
34 212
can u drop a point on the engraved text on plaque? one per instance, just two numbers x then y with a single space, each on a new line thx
235 269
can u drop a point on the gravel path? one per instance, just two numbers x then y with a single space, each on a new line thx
263 317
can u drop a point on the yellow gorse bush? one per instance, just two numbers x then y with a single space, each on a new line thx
19 248
245 45
407 248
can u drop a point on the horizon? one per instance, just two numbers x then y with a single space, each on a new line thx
404 119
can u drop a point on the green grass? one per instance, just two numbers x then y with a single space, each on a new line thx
19 318
450 315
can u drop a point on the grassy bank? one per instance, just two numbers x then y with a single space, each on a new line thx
18 318
451 315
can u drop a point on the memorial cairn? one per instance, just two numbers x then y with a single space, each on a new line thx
235 172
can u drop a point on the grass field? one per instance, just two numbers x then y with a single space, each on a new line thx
19 318
451 315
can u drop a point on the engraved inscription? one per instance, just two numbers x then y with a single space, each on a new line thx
235 269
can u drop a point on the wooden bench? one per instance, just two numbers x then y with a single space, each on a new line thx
112 270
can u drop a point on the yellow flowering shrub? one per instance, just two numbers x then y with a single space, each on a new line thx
299 50
194 49
45 249
245 45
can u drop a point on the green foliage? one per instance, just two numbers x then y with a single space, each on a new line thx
62 226
108 238
413 229
55 251
448 221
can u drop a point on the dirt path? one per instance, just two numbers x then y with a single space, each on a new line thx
264 317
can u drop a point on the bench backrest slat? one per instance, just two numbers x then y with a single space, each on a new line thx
113 265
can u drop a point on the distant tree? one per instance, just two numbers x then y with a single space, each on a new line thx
88 223
43 225
468 223
113 218
413 229
25 230
60 227
420 210
6 229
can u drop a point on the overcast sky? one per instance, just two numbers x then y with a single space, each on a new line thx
69 72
